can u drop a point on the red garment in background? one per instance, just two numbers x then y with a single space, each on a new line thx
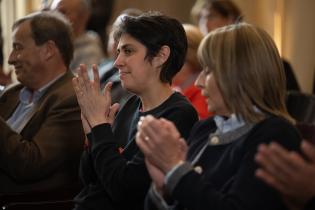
198 101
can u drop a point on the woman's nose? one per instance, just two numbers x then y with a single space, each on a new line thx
118 61
200 81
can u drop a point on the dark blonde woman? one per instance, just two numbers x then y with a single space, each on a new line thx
243 81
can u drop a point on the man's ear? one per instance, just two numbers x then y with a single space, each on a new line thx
49 49
162 56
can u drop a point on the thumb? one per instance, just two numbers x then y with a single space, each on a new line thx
107 95
183 147
107 89
112 112
309 150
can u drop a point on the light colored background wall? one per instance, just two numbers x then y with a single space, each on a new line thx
289 22
299 39
177 8
297 32
10 11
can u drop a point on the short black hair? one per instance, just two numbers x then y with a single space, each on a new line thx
155 30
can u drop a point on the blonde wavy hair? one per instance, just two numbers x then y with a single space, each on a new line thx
248 70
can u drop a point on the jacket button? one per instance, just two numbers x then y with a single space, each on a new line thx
214 140
198 169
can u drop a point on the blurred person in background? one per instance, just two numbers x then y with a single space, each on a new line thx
184 80
87 44
5 77
101 12
217 13
212 14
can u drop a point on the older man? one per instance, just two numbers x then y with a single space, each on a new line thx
41 135
87 44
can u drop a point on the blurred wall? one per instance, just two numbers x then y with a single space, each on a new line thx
294 34
11 10
299 40
176 8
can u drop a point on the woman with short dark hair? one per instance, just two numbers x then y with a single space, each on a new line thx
151 50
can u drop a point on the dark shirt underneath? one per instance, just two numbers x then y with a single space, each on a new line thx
120 181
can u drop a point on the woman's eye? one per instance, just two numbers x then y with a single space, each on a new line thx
117 53
127 51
